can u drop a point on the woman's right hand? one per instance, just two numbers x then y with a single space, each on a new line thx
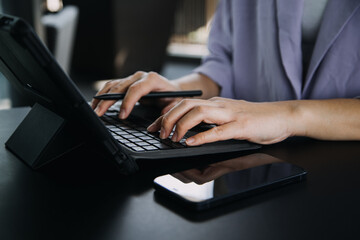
135 86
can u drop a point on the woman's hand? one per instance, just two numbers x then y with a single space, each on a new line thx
135 86
263 123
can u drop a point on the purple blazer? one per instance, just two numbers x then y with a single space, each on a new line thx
255 51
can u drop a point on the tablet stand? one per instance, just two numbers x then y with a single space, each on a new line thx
42 137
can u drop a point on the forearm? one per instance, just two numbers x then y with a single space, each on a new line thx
199 82
336 119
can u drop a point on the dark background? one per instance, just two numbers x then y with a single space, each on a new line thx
118 38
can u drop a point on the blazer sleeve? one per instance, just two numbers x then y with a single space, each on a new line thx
218 64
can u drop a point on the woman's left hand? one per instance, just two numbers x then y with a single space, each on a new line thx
263 123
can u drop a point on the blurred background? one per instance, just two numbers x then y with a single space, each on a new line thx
97 40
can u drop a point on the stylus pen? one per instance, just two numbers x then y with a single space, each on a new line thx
118 96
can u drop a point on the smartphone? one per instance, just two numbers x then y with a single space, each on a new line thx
227 181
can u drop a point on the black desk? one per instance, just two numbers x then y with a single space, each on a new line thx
77 201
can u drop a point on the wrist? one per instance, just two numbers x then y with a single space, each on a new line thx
297 119
177 85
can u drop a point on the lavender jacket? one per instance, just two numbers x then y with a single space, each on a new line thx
255 51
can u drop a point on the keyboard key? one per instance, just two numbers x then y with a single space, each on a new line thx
135 140
138 149
149 148
139 134
183 142
146 138
127 136
132 131
133 134
131 145
119 131
161 146
143 143
153 141
117 137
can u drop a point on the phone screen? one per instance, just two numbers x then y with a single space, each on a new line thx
227 181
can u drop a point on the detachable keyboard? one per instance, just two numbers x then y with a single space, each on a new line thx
133 134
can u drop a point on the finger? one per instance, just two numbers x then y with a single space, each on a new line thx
103 90
166 122
170 106
94 103
158 123
115 86
219 133
134 93
203 113
170 119
155 126
103 106
217 99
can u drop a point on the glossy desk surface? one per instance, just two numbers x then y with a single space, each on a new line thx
73 200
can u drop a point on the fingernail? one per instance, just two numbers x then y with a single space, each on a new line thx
122 114
174 137
190 141
162 133
97 110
